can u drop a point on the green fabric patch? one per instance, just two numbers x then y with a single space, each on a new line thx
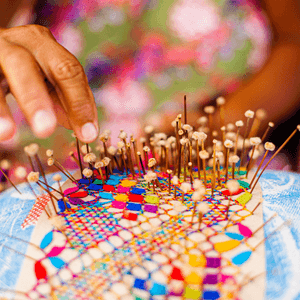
244 184
98 181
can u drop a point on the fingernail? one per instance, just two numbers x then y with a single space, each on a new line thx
43 123
89 132
6 127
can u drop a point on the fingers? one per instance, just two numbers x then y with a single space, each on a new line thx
63 71
67 75
7 124
61 115
27 85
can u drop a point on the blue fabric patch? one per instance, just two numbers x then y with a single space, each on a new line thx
241 258
83 181
158 289
235 236
112 182
138 191
46 240
95 187
134 206
117 177
106 195
57 262
62 206
140 284
211 295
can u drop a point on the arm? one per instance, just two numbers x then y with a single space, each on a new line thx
277 87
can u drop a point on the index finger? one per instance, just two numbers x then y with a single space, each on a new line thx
67 76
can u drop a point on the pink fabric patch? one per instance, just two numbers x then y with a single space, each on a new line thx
118 204
71 190
122 189
244 230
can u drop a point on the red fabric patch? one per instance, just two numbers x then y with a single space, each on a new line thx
136 198
227 193
36 211
97 173
176 274
130 216
81 194
108 188
40 271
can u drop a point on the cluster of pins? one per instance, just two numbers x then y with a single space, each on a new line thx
183 157
178 155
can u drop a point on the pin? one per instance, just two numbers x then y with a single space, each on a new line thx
141 162
190 165
234 159
204 155
98 166
249 114
146 150
210 111
198 158
50 187
185 110
254 141
203 208
286 223
34 177
196 197
136 157
260 115
129 158
214 168
79 156
175 182
269 147
274 155
228 145
258 204
74 158
7 178
270 125
263 225
169 180
51 161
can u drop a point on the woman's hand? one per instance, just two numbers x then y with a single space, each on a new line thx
48 83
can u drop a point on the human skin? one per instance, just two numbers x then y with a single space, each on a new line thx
47 81
33 50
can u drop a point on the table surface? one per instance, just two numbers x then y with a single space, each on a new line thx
281 191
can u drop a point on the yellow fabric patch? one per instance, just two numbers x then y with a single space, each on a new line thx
128 183
193 278
191 293
226 246
121 197
152 199
197 260
244 198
